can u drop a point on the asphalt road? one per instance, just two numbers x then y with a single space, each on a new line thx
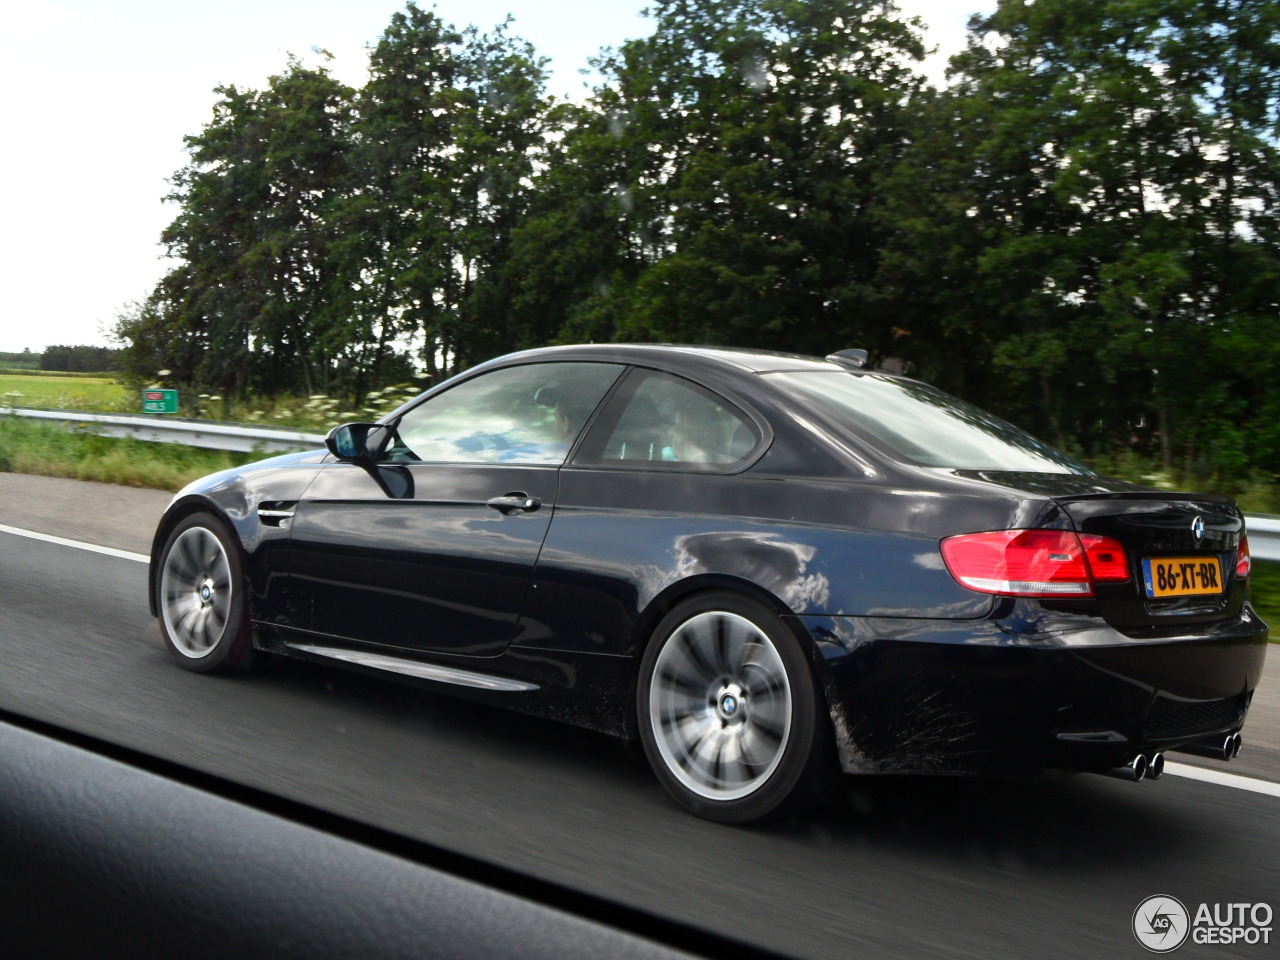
891 867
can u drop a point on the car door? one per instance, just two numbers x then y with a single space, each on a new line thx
647 499
432 548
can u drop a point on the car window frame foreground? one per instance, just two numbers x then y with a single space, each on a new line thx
107 847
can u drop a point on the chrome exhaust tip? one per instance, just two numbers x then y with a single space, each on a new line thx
1155 766
1236 742
1133 771
1223 748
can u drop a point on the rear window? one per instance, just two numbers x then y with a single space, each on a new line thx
922 425
662 421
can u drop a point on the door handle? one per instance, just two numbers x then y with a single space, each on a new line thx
513 503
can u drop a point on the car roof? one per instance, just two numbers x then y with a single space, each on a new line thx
751 361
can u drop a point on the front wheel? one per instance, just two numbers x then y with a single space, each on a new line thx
203 615
729 715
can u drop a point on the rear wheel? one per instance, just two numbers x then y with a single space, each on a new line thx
729 715
201 597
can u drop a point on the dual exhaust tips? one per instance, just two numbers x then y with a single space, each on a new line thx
1151 766
1221 748
1141 767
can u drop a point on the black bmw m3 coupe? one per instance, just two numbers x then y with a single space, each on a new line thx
765 567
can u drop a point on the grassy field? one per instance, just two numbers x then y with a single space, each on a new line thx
53 392
34 371
28 446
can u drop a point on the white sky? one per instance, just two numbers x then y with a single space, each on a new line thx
102 93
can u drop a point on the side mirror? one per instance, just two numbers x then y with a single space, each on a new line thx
361 443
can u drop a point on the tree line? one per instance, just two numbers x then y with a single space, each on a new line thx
1079 230
80 358
26 360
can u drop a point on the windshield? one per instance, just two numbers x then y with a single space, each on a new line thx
919 424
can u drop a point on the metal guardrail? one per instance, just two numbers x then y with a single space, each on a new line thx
1264 530
238 437
1264 536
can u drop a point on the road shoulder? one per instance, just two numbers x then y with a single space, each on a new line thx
98 513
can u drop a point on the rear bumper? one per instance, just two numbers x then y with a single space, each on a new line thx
991 697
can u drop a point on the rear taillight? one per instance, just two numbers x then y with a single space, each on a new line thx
1244 563
1107 562
1035 563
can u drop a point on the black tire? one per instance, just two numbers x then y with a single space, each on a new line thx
730 717
200 596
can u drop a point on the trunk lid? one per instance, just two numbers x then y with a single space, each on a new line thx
1182 555
1181 547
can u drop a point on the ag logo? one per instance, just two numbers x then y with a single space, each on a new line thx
1161 924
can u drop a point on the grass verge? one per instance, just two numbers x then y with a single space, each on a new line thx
52 450
1266 594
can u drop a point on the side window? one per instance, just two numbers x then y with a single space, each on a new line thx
526 414
666 421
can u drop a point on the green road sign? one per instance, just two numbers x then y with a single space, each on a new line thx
159 401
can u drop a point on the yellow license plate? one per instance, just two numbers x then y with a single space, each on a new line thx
1181 576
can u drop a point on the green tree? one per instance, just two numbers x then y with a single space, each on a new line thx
449 129
1108 213
728 166
256 283
393 220
500 136
571 258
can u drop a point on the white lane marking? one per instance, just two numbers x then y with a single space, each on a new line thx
78 544
1222 779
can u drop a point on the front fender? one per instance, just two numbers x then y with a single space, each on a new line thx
234 496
